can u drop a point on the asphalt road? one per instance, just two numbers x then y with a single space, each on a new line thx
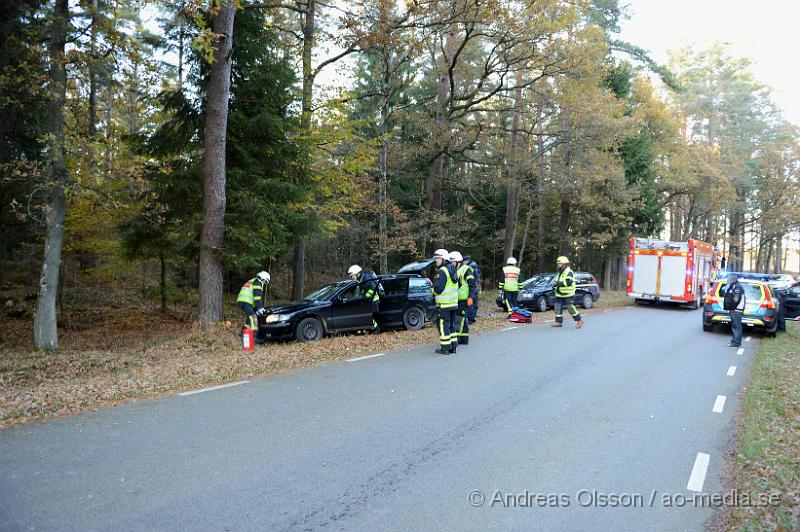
531 428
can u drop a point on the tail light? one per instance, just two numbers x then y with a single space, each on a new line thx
711 299
768 301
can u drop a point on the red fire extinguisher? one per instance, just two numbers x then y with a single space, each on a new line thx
248 339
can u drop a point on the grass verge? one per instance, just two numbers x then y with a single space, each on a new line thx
766 459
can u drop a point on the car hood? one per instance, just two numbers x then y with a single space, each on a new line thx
536 289
295 306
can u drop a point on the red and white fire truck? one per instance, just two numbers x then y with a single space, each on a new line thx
678 272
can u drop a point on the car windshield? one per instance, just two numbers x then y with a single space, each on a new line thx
326 292
537 280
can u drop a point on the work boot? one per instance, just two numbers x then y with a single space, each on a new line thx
579 324
464 340
557 324
442 351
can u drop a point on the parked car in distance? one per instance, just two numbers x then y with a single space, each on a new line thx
761 307
791 303
406 301
538 292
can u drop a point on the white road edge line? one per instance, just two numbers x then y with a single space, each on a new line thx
210 388
740 351
719 404
698 476
366 357
731 371
748 338
510 328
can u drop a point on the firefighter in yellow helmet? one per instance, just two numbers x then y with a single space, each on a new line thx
509 283
565 293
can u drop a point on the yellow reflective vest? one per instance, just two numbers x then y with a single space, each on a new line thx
510 282
449 296
565 283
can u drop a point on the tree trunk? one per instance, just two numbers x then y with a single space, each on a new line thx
779 254
433 183
163 283
524 245
607 273
299 270
181 38
563 226
93 73
512 187
541 189
132 100
383 199
109 129
306 110
214 142
45 326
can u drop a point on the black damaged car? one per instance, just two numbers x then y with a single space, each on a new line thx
406 302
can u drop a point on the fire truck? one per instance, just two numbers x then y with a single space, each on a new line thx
677 272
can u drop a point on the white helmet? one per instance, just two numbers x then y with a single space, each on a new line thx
455 256
264 276
511 260
441 253
355 269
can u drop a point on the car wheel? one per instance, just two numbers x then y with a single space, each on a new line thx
413 319
541 304
587 301
308 330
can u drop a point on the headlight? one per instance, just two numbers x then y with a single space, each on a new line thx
274 318
525 295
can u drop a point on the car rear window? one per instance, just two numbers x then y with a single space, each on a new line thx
585 278
419 286
752 292
394 287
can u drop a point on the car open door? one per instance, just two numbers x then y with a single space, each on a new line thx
352 309
792 303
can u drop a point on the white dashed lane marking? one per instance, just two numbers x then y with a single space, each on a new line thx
731 371
366 357
719 404
210 388
698 476
509 328
748 338
740 351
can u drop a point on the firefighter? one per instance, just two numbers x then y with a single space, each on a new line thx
509 283
369 290
472 312
467 292
445 292
251 301
565 293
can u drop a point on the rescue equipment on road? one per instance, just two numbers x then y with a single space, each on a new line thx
520 315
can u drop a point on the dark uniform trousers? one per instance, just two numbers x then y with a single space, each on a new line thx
511 299
462 327
447 327
562 302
